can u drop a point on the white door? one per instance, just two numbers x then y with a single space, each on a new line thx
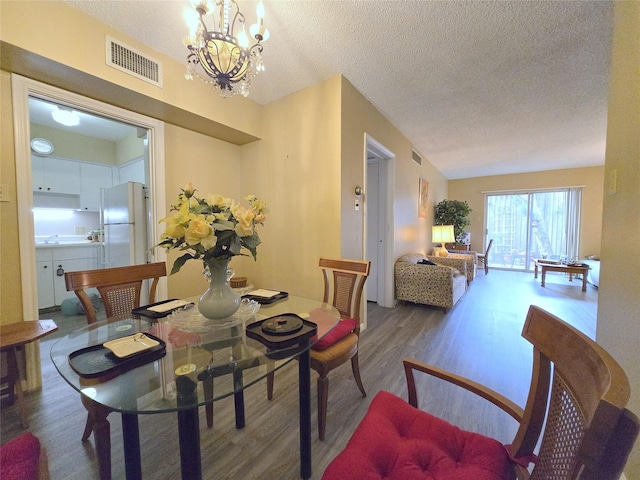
373 240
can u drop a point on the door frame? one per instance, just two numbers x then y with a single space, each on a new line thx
22 89
385 210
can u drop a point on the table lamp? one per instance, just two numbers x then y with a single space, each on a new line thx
442 234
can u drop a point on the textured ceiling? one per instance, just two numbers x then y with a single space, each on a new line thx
478 87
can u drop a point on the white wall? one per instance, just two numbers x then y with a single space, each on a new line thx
52 221
618 306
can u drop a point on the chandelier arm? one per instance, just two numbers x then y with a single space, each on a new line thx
235 17
257 46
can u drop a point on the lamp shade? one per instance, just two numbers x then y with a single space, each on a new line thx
442 234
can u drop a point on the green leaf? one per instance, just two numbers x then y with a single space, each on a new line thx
180 261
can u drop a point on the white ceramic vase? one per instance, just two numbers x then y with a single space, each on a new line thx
220 300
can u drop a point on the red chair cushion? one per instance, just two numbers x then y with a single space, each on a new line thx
396 441
341 330
19 458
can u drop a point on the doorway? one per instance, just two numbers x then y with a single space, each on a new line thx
88 161
378 222
22 90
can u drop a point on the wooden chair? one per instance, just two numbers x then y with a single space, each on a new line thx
119 289
483 258
587 431
343 285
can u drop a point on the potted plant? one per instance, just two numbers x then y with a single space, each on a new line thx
456 213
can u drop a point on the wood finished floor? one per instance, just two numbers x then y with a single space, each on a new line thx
479 338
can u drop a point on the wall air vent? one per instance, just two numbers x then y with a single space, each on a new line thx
133 62
416 157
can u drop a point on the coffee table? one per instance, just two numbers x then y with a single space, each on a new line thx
552 266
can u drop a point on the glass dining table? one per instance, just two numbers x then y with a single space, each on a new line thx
184 364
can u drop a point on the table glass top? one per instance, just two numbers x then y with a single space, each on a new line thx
220 353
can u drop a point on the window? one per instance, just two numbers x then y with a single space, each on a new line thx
529 225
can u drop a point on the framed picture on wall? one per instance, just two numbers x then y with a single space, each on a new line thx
423 200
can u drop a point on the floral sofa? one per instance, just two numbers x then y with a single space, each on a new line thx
464 263
438 285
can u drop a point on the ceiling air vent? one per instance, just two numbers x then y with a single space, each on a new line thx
416 157
133 62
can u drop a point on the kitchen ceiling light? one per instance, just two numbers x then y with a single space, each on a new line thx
66 116
42 146
228 60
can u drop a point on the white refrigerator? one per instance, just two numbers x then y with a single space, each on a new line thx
124 216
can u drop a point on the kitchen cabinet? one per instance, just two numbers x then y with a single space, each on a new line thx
54 175
132 172
52 262
93 177
44 277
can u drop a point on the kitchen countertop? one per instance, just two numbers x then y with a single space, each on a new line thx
57 241
86 243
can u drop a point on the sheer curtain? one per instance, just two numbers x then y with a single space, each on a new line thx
526 225
573 222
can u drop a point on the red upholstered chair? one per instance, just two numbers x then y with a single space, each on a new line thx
343 284
23 458
588 432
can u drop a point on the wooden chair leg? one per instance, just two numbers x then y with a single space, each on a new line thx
323 397
15 385
43 465
88 427
207 385
98 424
355 367
102 437
270 380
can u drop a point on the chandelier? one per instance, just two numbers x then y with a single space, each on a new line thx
226 58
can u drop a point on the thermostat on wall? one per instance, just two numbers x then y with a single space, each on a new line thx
42 146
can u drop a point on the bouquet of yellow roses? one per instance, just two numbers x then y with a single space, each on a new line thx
213 227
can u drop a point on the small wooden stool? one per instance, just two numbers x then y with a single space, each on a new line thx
12 338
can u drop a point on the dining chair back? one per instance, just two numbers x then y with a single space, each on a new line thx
483 258
577 400
119 287
120 290
343 286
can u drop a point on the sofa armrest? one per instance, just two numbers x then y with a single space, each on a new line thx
473 254
459 264
461 261
435 273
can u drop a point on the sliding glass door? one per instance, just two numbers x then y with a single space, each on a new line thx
529 225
